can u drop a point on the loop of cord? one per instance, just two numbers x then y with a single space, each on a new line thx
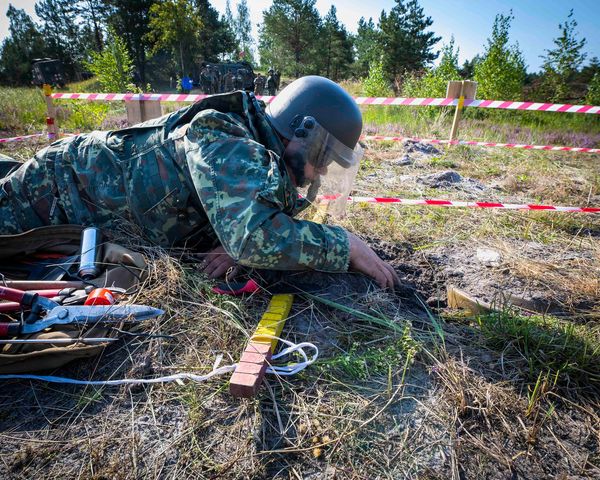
280 370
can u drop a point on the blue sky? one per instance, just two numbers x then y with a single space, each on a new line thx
535 25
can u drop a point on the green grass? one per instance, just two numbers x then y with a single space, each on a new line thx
22 110
563 351
547 128
360 363
90 85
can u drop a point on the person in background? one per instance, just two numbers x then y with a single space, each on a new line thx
259 84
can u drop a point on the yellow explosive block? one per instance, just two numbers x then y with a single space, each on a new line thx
273 319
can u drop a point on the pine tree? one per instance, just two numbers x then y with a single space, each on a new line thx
467 71
587 73
62 34
501 72
228 17
367 46
288 36
404 38
217 39
94 14
244 31
24 44
562 62
593 94
129 18
229 21
336 52
174 25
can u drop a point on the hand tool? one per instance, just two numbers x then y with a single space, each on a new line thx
57 341
41 285
14 306
38 267
65 296
62 315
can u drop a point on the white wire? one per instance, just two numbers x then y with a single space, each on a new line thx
282 370
293 368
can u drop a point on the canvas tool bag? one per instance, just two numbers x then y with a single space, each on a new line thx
123 269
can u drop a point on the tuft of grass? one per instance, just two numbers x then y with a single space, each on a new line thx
567 352
361 363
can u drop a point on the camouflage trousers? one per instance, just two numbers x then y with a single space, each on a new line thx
29 199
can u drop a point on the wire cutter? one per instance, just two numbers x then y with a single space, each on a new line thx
57 314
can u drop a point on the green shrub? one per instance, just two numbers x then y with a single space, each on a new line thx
113 65
85 116
501 73
593 94
435 80
376 84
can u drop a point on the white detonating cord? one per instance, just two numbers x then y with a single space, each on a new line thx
280 370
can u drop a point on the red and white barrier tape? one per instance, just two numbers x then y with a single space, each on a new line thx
496 104
481 144
552 148
406 101
156 97
453 203
22 137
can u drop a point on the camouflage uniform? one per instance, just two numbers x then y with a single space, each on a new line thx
271 85
259 84
207 174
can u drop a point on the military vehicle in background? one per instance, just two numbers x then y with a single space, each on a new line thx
48 71
225 77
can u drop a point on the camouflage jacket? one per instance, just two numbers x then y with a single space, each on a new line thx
206 174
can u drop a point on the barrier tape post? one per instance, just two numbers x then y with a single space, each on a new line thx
464 89
50 118
139 111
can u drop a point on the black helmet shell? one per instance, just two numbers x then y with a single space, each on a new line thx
321 98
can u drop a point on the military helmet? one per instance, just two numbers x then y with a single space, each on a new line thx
324 100
322 124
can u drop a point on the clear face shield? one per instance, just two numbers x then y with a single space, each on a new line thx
323 165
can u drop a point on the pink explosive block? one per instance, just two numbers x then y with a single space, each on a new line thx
250 371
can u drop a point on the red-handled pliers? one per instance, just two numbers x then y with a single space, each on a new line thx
63 314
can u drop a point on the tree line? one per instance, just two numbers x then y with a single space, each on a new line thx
394 54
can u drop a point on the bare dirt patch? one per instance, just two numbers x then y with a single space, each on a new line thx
547 278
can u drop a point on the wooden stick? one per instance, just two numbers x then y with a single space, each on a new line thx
51 117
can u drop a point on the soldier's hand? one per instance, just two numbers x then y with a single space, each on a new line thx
217 263
363 259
